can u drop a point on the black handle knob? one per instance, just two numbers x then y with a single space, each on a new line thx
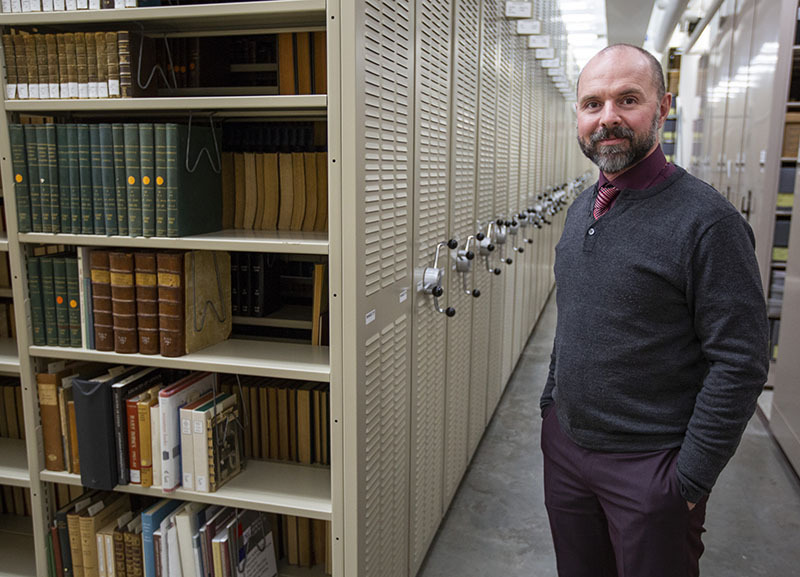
437 291
520 249
470 255
490 248
529 240
450 312
514 223
480 236
509 261
452 244
499 222
497 271
521 216
476 293
508 223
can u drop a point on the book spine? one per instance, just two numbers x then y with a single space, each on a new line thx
10 61
41 66
96 161
61 300
145 448
72 64
62 149
101 300
102 64
286 67
44 177
120 184
73 438
85 171
123 302
244 284
160 142
235 256
63 79
48 161
147 302
124 57
73 180
19 166
171 312
132 178
107 179
82 65
73 302
52 65
20 55
91 63
147 174
257 288
34 184
51 427
49 301
134 462
172 168
112 56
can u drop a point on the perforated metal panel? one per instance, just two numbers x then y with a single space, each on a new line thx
498 327
487 94
524 279
386 47
385 528
431 188
464 132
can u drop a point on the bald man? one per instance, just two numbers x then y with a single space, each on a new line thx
660 350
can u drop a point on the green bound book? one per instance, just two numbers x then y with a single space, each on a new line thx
49 300
160 139
62 139
73 301
107 174
34 184
37 304
131 142
74 179
52 177
95 159
194 188
61 299
19 165
147 173
85 169
121 188
44 176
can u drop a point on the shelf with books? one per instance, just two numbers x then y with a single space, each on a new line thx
9 358
17 546
269 486
291 242
241 105
13 463
264 15
246 357
287 317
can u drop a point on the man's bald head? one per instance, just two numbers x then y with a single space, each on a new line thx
655 66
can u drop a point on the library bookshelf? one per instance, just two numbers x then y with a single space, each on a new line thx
314 492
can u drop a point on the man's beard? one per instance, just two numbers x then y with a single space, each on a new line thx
615 158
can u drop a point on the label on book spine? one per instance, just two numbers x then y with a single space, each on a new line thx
6 6
58 5
47 5
23 91
83 90
33 91
93 90
53 90
74 90
94 4
64 90
113 87
102 90
83 4
72 5
11 89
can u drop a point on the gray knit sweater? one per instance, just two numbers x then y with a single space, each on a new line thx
662 331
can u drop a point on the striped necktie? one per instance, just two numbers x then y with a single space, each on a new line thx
605 198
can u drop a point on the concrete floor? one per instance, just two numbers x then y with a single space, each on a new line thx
497 524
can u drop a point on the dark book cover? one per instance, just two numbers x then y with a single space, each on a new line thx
19 164
120 183
37 305
74 179
171 309
132 178
52 177
147 175
49 300
62 139
73 302
146 280
96 162
123 302
85 171
107 179
61 300
34 186
101 300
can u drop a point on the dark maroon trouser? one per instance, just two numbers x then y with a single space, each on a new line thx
617 514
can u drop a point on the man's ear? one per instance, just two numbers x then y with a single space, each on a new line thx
663 110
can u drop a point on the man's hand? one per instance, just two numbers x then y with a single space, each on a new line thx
690 505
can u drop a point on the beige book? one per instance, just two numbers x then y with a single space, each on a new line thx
299 188
228 191
292 543
321 221
319 303
102 64
114 505
250 191
238 183
318 541
271 192
283 423
263 412
305 425
260 192
310 218
273 421
255 422
292 394
286 191
245 404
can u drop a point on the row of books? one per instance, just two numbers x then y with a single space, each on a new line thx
128 179
9 6
119 425
54 294
107 534
159 302
8 323
68 65
274 136
269 191
285 420
13 500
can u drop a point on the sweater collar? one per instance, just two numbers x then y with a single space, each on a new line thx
638 194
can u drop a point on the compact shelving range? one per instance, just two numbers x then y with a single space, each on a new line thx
419 152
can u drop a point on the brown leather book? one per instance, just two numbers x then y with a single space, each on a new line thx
147 302
112 58
271 191
124 59
73 439
48 385
299 188
123 302
101 301
320 59
310 217
286 191
91 62
171 311
321 221
304 71
286 64
102 64
120 567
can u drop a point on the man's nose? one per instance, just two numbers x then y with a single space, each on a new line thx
610 115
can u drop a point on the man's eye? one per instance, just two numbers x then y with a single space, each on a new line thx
629 100
591 105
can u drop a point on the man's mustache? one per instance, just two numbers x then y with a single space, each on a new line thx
614 132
